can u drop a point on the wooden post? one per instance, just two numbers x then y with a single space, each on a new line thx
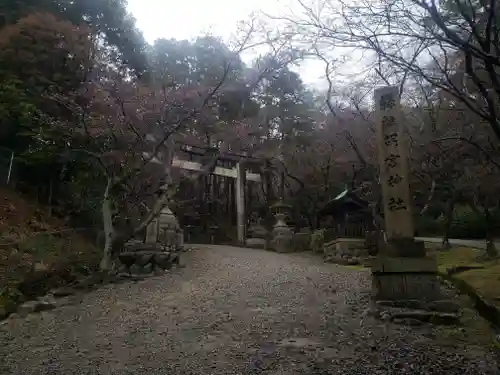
240 202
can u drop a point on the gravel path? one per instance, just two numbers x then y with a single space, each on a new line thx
231 311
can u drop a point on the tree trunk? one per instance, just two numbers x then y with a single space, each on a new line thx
109 233
49 200
378 220
491 250
448 218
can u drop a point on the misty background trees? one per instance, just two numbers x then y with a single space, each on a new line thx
81 91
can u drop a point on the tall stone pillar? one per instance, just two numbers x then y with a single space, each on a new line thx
401 270
240 202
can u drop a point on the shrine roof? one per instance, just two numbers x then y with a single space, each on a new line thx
345 202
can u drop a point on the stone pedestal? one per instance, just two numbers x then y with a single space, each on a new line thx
152 232
168 227
282 235
163 243
180 237
212 231
141 258
408 277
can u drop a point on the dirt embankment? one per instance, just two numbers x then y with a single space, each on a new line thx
37 252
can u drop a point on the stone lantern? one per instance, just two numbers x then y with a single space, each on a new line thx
169 228
282 234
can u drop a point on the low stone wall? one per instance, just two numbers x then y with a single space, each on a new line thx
143 258
350 251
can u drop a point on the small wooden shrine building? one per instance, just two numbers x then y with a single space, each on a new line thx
346 216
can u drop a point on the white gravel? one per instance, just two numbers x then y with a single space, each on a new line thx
231 311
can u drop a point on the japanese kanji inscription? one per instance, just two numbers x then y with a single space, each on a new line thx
393 164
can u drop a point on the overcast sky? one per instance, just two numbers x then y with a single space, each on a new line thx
186 19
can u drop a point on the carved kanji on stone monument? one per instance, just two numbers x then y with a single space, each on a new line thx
393 165
391 139
401 270
387 100
393 180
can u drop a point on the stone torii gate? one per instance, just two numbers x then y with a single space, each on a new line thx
239 173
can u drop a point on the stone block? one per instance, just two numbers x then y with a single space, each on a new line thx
404 247
35 306
329 259
63 292
163 260
406 286
408 321
144 258
410 304
427 317
127 258
353 261
176 259
257 231
136 269
385 303
282 244
405 279
135 246
386 264
148 268
444 306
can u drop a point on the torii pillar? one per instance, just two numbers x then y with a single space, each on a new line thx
240 202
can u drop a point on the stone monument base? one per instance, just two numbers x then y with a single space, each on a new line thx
142 258
282 235
405 278
282 244
407 289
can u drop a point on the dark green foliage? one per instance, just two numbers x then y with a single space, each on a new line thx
465 224
318 239
108 17
468 224
18 115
